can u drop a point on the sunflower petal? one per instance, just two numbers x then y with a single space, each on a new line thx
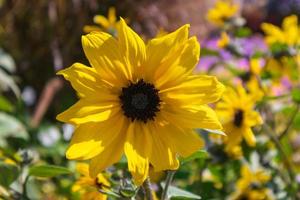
201 116
91 139
249 137
101 20
132 45
103 53
109 156
197 89
160 48
137 148
162 158
84 80
86 111
182 141
178 65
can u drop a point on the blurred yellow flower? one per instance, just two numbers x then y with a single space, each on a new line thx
89 187
223 11
109 24
139 99
288 34
237 116
224 40
251 185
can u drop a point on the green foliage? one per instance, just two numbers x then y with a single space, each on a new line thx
174 192
8 174
48 171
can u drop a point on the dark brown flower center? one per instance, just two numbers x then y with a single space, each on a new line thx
140 101
238 118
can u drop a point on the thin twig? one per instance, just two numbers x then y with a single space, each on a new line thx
51 88
286 162
290 122
147 188
170 175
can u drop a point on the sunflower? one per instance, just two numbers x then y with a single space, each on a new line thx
237 114
141 100
251 185
108 24
288 34
87 186
222 12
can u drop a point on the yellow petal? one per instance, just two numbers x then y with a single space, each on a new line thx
160 48
112 15
83 169
101 20
197 89
109 156
274 34
253 118
249 137
162 158
103 53
201 116
86 81
138 146
91 139
132 46
88 29
182 141
88 111
178 65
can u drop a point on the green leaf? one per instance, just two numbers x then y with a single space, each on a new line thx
176 192
296 122
48 171
219 132
198 154
7 82
11 127
208 52
296 95
7 62
8 173
5 105
243 32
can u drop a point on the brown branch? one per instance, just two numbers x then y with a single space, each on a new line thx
51 88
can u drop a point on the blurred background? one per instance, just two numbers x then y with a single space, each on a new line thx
38 38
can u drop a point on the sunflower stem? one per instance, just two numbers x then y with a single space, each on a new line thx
170 175
148 189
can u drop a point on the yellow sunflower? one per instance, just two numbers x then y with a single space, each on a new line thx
237 115
109 24
222 11
87 186
288 34
141 100
251 185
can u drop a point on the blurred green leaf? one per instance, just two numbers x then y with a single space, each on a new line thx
243 32
196 155
208 52
296 95
8 173
48 171
7 62
5 105
296 122
7 81
11 127
176 192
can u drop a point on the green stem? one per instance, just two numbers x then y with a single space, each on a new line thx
290 122
285 158
170 175
148 189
